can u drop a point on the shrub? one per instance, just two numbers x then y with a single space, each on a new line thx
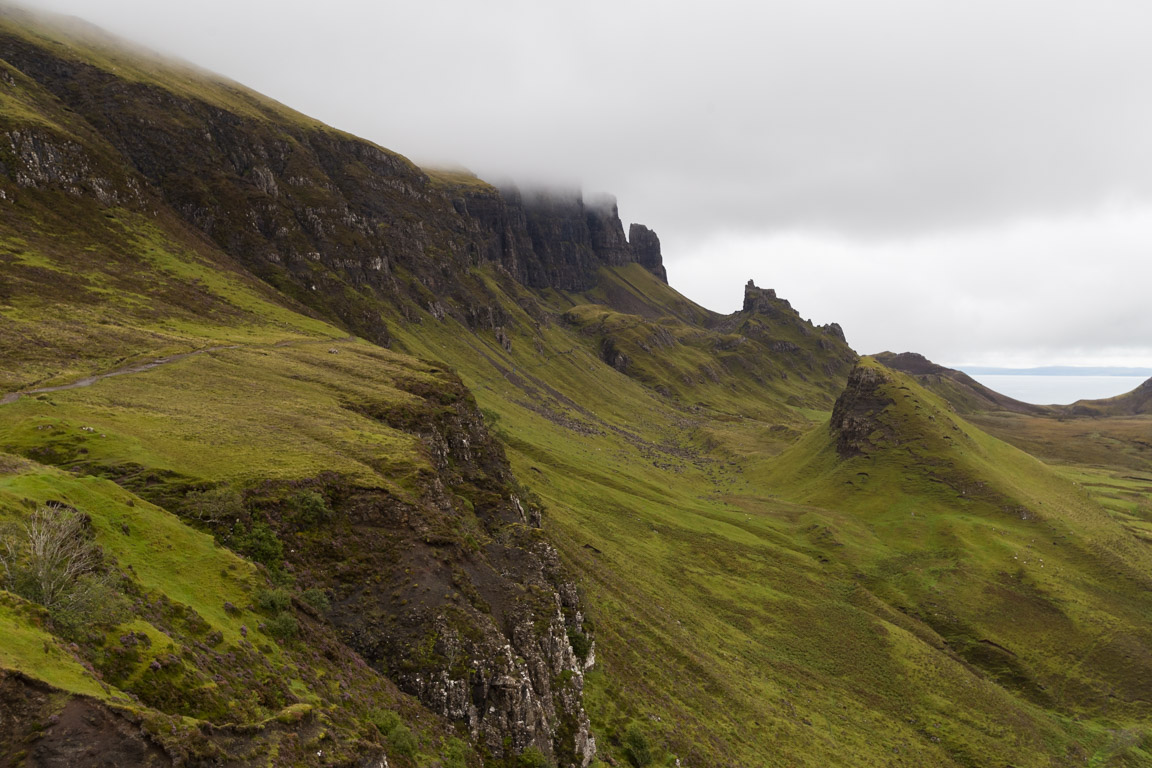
44 559
273 600
309 509
214 505
455 753
402 741
581 643
636 746
282 626
316 598
385 720
259 542
53 560
531 758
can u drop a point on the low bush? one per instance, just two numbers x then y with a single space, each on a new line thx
317 598
273 600
581 643
532 758
402 741
455 753
259 542
309 509
282 626
636 746
53 559
214 505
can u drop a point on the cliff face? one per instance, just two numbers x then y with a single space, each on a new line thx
312 210
855 421
478 626
549 239
646 246
484 633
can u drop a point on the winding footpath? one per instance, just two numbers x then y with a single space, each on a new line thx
88 381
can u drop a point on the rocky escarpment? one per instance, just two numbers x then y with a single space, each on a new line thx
336 222
451 588
856 424
553 239
796 343
453 592
764 302
646 247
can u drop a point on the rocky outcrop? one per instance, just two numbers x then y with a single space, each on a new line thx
561 240
911 362
44 159
336 222
834 330
606 232
455 594
855 422
646 247
763 301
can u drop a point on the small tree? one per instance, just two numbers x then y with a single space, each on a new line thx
45 561
52 560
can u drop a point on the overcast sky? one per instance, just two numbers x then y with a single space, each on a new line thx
971 179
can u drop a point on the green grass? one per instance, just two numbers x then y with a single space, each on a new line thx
204 418
791 588
36 652
943 599
88 298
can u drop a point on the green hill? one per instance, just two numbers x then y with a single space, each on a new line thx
372 462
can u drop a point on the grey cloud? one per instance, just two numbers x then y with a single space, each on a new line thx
862 123
865 117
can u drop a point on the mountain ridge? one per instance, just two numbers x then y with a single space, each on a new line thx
537 509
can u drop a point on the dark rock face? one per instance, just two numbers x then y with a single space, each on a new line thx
607 233
646 247
343 226
456 595
834 329
854 416
310 210
561 240
763 301
571 240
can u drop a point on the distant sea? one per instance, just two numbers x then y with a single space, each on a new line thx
1048 389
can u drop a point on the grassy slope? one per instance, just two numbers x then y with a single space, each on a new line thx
719 570
271 405
236 416
1017 567
87 286
716 574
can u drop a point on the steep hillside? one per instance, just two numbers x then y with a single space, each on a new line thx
378 465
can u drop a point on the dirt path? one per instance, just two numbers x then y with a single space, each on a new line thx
88 381
12 397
